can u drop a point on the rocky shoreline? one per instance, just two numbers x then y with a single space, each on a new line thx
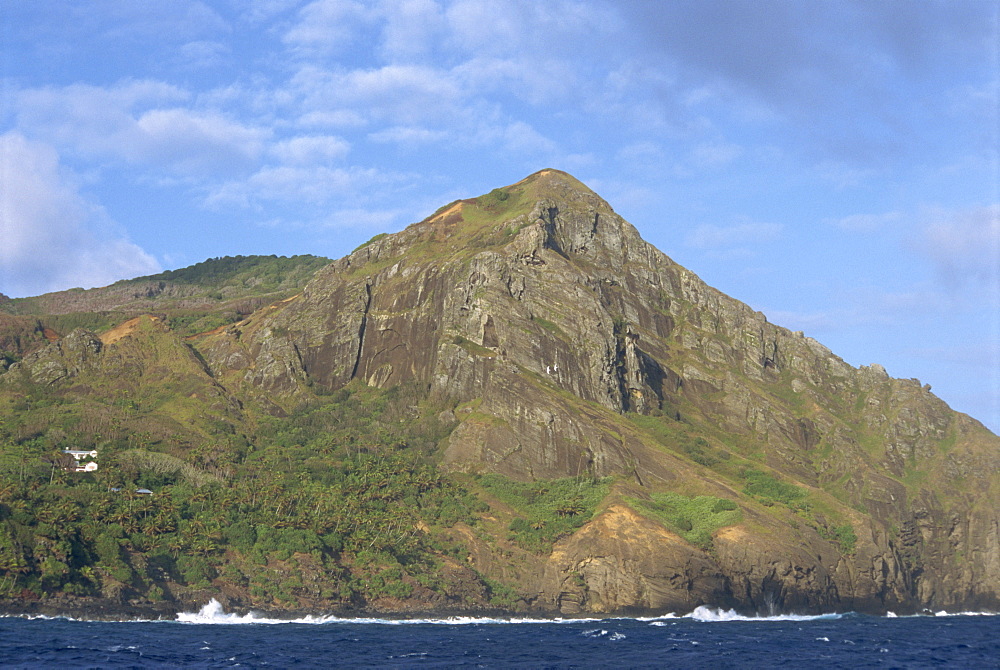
105 609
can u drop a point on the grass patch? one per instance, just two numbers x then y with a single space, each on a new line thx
673 435
769 490
495 201
550 326
694 519
547 509
473 348
843 535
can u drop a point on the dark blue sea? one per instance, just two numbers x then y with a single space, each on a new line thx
706 638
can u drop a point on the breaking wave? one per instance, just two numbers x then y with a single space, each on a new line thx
941 613
704 613
212 613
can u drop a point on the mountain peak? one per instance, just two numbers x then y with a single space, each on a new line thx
549 209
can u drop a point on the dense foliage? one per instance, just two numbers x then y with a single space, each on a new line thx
342 493
262 272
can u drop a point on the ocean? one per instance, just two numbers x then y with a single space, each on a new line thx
705 638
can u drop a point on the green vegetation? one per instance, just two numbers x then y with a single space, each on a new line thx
694 519
495 201
343 489
550 326
676 436
473 348
374 238
842 535
769 490
546 509
195 299
264 273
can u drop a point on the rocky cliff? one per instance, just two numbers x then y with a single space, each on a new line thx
749 466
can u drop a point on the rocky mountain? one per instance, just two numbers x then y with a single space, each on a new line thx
625 437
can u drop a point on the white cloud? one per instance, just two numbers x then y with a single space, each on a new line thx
311 149
411 28
179 18
107 123
201 54
964 245
844 176
53 238
397 94
715 154
314 185
264 10
564 27
326 26
536 80
521 139
408 135
193 142
338 118
710 236
865 223
376 220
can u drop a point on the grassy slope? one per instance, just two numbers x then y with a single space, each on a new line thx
193 299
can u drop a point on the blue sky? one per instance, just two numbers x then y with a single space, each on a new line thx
833 164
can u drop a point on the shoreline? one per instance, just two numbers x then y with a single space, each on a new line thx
213 612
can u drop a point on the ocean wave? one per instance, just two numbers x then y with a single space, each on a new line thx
213 613
713 614
941 613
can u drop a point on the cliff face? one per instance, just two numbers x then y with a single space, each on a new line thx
563 345
567 344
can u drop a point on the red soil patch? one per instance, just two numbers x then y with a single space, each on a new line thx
124 329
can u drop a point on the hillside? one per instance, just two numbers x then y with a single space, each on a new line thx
516 403
193 299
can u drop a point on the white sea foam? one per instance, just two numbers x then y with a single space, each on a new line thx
213 613
703 613
942 613
660 618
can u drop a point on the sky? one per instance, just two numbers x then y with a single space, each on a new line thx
835 165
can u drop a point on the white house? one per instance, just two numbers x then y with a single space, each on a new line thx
80 456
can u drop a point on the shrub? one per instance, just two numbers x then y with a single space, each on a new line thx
843 535
195 571
547 509
241 535
694 519
765 487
